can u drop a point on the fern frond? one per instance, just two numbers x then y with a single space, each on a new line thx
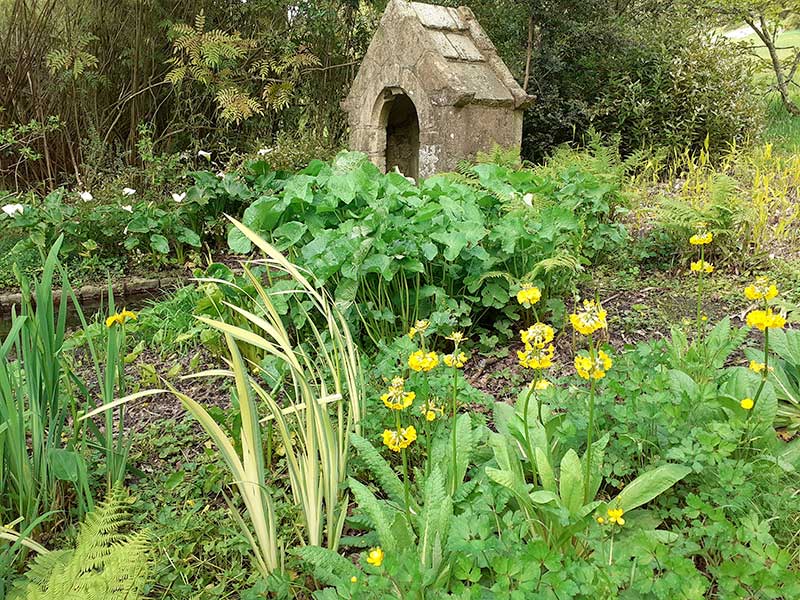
329 567
389 482
377 513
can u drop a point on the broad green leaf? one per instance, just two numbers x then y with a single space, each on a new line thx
570 485
649 485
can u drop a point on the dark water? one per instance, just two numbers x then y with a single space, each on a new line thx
133 301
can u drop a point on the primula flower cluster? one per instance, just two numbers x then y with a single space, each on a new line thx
423 361
593 369
699 266
529 294
396 398
765 319
590 319
455 360
538 334
702 236
420 327
399 439
762 289
536 357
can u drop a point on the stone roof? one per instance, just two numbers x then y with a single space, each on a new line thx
448 51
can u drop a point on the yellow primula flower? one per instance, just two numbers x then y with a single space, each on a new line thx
700 239
375 556
762 289
590 319
757 367
457 337
431 412
121 317
419 327
397 440
615 516
539 385
529 294
765 319
702 235
702 266
537 334
536 357
396 398
746 403
453 360
423 361
596 369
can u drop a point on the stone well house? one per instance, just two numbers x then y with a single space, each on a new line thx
431 91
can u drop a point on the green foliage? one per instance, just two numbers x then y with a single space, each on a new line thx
442 250
105 564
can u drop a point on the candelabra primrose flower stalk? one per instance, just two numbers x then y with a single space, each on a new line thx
455 361
587 321
763 320
701 237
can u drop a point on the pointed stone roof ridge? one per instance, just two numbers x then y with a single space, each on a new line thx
458 63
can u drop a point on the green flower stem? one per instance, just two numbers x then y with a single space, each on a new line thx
453 424
765 374
529 446
700 296
405 465
590 425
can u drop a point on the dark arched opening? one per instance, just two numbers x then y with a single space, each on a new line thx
402 137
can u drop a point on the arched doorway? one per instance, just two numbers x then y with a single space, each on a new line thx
402 136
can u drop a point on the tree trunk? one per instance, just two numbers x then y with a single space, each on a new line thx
782 82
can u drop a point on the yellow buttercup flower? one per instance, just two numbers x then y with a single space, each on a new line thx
765 319
746 403
529 294
375 556
601 520
757 367
397 440
536 357
121 317
354 579
596 369
702 266
590 319
396 398
537 334
423 361
615 516
762 289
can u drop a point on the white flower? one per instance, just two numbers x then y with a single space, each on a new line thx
264 151
127 208
178 197
204 154
86 196
13 209
220 174
528 199
128 191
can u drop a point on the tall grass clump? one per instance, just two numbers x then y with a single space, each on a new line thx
313 407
